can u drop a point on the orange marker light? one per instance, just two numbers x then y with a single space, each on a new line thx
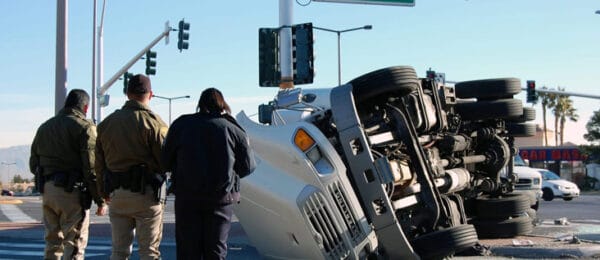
303 140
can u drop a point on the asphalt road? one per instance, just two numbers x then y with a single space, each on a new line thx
586 207
21 232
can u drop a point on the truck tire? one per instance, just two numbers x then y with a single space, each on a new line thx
384 83
484 110
502 207
445 242
528 115
520 129
488 89
503 228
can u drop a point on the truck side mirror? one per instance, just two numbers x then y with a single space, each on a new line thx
265 113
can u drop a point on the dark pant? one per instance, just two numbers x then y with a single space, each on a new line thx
201 231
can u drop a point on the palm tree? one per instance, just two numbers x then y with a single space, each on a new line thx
563 110
548 102
569 112
557 109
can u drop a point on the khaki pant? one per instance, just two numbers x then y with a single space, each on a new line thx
132 213
65 222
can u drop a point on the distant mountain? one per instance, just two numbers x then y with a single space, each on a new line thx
14 160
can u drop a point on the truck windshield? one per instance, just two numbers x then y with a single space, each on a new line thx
519 161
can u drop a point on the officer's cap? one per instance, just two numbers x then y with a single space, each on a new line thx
139 84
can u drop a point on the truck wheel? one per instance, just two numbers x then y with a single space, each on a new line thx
483 110
528 115
520 129
501 207
445 242
547 195
384 83
488 89
503 228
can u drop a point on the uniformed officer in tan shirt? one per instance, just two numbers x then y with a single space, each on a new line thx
127 158
62 158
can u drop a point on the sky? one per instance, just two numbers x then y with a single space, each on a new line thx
554 43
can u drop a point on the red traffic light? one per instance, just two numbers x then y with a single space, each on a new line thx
531 84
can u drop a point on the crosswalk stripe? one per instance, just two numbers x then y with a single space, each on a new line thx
14 214
35 253
42 245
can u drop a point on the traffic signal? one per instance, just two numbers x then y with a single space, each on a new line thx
269 70
150 63
183 36
303 53
126 77
532 96
430 74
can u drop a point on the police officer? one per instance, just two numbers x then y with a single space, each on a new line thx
62 160
208 153
127 158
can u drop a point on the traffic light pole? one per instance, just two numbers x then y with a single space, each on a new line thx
113 79
119 73
565 93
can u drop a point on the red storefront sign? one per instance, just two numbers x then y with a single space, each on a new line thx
551 154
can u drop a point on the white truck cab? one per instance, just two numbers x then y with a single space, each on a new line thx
529 181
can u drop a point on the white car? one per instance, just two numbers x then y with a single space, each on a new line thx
555 187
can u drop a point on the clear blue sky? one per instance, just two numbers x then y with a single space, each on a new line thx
555 43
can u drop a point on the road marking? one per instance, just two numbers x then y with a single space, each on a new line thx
11 201
14 214
35 253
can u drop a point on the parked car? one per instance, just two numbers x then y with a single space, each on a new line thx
7 193
555 187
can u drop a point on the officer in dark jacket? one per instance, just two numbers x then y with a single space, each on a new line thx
62 158
207 153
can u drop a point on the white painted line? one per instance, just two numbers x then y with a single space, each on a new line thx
14 214
34 253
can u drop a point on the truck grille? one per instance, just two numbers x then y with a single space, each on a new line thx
523 183
341 201
319 216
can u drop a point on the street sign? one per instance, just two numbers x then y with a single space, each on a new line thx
374 2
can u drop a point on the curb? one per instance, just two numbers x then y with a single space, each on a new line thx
536 252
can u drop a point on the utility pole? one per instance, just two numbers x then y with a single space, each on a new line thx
285 43
60 92
100 67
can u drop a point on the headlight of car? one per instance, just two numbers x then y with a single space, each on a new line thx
536 181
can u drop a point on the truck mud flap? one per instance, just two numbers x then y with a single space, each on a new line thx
372 193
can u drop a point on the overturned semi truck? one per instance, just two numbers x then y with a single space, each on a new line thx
387 166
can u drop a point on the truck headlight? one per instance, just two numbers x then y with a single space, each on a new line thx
536 181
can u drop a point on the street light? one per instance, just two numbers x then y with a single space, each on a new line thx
170 99
339 32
